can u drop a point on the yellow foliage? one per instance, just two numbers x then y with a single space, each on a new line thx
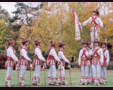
3 36
60 27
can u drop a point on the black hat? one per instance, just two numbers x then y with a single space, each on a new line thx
96 41
103 43
96 11
84 42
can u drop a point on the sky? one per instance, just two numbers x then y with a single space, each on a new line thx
9 6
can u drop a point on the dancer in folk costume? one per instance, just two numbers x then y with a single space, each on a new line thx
52 57
90 66
24 59
37 63
11 61
84 63
96 23
106 62
61 55
97 61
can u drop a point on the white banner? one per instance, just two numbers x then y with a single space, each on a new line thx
77 29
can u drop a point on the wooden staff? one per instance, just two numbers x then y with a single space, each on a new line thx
18 74
83 33
59 68
44 67
30 72
45 76
70 74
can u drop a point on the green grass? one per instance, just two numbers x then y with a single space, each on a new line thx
76 75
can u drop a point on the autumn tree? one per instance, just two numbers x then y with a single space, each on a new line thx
4 15
56 23
4 23
3 36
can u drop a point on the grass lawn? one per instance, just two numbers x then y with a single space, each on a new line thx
74 74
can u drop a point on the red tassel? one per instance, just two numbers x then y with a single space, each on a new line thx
33 78
8 78
104 78
22 79
99 79
63 78
52 79
86 78
94 79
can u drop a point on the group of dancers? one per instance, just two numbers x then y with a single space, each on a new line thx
24 61
93 62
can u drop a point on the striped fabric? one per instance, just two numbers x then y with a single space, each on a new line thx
51 60
9 62
37 61
23 61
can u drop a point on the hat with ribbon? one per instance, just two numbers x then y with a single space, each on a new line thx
103 43
24 40
61 44
89 43
84 42
52 43
96 11
96 41
37 42
10 41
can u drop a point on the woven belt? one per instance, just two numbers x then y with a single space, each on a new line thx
93 25
83 59
96 58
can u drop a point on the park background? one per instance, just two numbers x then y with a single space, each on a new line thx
53 21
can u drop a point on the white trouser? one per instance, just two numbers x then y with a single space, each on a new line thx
37 71
61 73
52 71
94 34
96 70
22 70
90 72
9 71
8 75
103 72
84 71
